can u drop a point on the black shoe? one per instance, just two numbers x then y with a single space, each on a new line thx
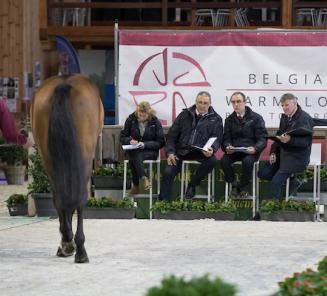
256 217
190 193
295 184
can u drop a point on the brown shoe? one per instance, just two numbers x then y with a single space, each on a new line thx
134 190
146 183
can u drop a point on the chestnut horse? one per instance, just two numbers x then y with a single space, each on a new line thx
67 118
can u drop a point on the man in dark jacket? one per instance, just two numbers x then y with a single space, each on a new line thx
192 127
289 154
244 129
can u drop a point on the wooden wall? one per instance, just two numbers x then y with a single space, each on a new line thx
19 39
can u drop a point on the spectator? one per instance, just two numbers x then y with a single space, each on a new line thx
142 127
193 126
243 128
9 130
289 154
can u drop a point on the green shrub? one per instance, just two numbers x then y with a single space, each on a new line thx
197 286
306 283
308 175
117 171
200 206
16 199
106 202
40 183
13 154
274 205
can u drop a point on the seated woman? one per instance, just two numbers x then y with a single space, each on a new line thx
142 127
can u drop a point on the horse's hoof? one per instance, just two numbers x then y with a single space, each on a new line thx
81 259
66 250
60 253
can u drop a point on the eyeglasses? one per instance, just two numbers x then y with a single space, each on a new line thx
237 102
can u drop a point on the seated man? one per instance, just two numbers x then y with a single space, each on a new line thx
193 126
243 128
289 154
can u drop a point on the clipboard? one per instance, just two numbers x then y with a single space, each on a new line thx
239 149
299 132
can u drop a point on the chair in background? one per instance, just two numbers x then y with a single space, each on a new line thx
241 18
150 163
322 17
203 14
315 163
304 15
222 17
255 187
77 17
184 180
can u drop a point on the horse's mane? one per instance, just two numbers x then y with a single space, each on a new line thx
67 171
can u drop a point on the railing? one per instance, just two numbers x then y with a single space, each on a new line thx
166 8
111 147
79 21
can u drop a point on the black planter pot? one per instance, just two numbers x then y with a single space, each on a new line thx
110 182
192 215
44 205
308 186
290 216
108 213
18 210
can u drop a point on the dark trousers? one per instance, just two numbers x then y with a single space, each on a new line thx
136 158
247 166
206 166
277 177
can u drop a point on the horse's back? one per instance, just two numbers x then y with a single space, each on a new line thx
85 107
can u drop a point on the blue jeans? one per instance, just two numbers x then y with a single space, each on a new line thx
277 177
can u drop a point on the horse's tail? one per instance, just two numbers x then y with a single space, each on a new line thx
67 166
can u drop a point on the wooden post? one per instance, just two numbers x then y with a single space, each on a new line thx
287 13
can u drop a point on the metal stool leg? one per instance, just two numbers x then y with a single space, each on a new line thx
150 191
125 178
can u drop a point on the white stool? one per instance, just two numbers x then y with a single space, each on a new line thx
202 14
184 181
255 188
150 163
315 163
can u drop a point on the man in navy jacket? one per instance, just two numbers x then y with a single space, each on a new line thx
192 127
243 128
289 154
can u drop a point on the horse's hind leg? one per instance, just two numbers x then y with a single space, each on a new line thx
81 255
67 245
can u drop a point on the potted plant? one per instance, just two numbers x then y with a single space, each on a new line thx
308 282
191 210
110 177
291 210
107 208
17 205
197 286
40 188
307 179
15 158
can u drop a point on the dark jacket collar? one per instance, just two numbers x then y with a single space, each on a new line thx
248 113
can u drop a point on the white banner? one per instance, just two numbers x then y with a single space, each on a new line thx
168 71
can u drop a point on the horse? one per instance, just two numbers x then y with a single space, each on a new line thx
66 119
